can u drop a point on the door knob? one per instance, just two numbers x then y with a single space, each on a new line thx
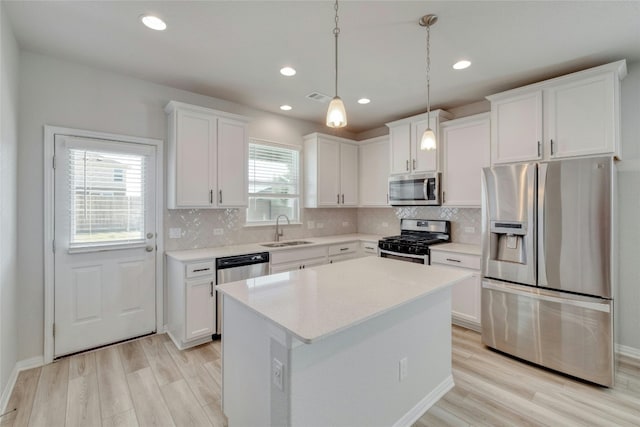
149 249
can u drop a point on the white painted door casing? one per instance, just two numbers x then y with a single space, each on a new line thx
465 151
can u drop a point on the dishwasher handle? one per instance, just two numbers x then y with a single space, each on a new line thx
241 260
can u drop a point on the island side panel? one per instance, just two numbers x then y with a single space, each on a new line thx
245 366
353 377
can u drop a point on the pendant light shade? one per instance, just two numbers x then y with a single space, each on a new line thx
428 141
336 114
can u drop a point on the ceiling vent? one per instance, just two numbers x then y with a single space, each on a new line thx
320 97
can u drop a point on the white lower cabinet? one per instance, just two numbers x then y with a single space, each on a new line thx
369 248
297 259
343 251
191 302
465 295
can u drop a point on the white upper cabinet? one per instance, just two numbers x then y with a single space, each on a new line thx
405 136
207 158
331 171
569 116
374 171
465 151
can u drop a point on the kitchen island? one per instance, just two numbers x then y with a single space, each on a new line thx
362 342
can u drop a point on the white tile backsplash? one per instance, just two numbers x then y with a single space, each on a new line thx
465 222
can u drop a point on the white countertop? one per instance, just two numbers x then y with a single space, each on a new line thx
459 248
316 302
222 251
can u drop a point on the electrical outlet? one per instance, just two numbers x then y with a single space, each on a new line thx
403 368
311 225
218 231
175 233
277 373
469 229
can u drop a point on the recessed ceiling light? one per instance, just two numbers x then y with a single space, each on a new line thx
364 101
461 65
288 71
286 107
153 22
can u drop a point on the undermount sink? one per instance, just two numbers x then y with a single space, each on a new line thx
284 244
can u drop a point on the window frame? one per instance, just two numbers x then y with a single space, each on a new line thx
298 196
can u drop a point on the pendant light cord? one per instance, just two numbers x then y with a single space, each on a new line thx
336 31
428 73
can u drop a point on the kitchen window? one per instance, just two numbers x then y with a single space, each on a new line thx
274 182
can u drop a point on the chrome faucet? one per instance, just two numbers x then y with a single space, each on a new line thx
278 231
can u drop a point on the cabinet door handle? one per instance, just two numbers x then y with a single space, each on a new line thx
453 260
407 164
443 197
343 199
220 196
414 164
338 198
210 197
539 149
552 148
211 286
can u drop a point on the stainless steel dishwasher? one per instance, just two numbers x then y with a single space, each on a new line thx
239 267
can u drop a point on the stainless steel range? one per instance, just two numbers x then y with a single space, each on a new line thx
416 235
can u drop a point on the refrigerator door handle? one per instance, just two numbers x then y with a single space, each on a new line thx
542 185
597 306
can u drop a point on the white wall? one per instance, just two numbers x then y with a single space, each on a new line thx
628 304
61 93
8 201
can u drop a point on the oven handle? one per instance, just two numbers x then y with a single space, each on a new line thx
425 257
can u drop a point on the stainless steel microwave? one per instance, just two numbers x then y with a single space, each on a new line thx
415 190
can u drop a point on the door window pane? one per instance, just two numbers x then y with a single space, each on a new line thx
106 198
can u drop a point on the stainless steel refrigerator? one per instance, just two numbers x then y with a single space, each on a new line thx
547 286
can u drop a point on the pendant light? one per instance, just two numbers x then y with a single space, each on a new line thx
336 115
428 141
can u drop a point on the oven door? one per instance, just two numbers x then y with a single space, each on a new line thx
417 259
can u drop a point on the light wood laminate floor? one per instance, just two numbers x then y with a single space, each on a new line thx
149 382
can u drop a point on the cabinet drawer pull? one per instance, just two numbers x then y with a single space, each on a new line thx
453 260
197 270
344 249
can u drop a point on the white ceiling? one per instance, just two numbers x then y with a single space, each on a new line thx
234 49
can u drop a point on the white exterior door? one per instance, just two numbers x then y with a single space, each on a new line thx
105 242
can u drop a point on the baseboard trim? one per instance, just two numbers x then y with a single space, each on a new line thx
631 352
427 402
20 366
459 321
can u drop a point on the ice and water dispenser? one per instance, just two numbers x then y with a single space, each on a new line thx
509 217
